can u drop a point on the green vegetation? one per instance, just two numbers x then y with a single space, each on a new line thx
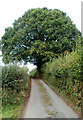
33 73
39 36
14 84
49 39
64 75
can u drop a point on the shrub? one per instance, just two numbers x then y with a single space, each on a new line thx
14 82
64 73
13 76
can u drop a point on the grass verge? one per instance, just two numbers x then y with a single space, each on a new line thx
13 110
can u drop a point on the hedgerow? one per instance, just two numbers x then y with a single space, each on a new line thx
64 73
15 81
13 76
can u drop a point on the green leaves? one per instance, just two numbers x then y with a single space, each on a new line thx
14 75
38 36
64 74
15 81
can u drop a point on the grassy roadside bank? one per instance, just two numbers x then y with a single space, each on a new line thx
15 110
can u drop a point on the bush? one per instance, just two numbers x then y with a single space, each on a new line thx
14 82
14 76
64 73
34 73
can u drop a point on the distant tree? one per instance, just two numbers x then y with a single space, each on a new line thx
38 36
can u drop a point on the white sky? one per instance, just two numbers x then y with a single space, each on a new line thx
12 9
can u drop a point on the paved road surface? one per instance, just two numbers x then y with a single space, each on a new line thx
44 103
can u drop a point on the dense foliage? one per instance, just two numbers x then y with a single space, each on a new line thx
64 74
39 36
49 39
13 76
15 81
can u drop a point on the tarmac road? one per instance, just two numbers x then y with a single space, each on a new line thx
44 103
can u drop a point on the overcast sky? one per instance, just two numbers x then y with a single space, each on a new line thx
12 9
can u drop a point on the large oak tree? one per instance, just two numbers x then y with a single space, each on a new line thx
39 36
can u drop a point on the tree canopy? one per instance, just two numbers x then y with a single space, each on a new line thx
39 36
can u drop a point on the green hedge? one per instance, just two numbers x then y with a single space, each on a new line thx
64 73
14 77
15 81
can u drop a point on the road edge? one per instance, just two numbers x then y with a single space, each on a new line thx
64 99
26 98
